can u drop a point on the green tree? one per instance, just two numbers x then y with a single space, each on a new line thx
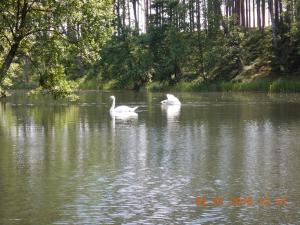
53 33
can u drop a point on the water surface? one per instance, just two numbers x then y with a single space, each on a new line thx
63 163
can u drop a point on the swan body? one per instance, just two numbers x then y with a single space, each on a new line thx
124 115
172 111
171 100
120 109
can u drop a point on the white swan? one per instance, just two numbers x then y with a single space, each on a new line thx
123 116
171 100
120 109
172 111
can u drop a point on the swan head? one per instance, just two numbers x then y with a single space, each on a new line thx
112 97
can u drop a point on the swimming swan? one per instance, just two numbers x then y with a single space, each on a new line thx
124 116
120 109
172 111
171 100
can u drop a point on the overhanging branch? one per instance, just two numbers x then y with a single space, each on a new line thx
7 38
9 25
37 31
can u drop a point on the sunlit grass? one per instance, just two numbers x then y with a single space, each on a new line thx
89 85
279 85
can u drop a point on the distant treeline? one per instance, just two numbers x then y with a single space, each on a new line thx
208 40
56 45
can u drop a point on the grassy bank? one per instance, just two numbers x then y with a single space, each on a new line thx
278 85
285 85
95 84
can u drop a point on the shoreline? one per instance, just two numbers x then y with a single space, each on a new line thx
266 86
288 84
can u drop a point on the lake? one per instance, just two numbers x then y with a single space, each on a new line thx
222 158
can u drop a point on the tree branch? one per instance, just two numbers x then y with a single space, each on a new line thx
34 64
36 31
31 4
7 38
9 25
40 9
24 12
18 14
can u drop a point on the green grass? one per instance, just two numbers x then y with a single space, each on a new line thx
94 84
279 85
283 85
264 85
24 86
84 84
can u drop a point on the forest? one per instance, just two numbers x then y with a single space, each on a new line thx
220 45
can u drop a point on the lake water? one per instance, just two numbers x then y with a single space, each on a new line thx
219 159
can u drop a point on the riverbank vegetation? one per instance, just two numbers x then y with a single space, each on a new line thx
50 44
265 85
198 45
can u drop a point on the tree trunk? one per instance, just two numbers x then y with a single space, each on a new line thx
249 13
205 16
119 20
18 36
128 11
276 15
123 13
182 18
243 13
258 14
274 32
263 9
198 15
136 22
238 12
27 66
146 15
281 13
8 59
161 14
247 16
253 5
297 13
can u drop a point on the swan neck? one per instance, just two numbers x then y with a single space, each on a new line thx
113 104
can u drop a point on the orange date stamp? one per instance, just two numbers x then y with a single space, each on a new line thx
261 201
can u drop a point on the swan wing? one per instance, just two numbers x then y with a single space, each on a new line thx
124 115
172 99
124 108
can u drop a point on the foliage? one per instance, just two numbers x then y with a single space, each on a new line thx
265 85
54 81
38 35
127 61
204 42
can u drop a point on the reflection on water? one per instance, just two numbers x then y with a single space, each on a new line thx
77 164
172 111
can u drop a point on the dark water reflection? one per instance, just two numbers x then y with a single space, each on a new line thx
73 164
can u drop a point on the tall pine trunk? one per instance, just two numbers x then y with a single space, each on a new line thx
253 9
247 16
136 22
146 3
243 13
273 23
258 14
263 10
